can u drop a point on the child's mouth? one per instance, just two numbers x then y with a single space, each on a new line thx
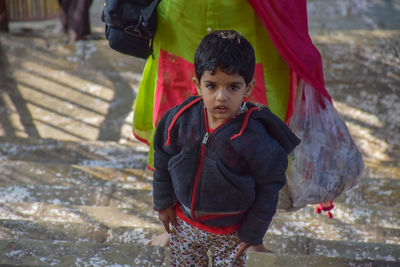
221 109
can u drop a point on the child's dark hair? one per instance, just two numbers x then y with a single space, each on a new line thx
227 50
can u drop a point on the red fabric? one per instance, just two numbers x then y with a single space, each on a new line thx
175 77
286 22
206 122
196 183
258 95
140 139
325 207
207 228
294 81
244 125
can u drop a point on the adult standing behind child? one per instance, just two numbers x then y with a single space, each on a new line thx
181 25
219 160
3 16
75 18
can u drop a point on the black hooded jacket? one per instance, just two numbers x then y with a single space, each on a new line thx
231 176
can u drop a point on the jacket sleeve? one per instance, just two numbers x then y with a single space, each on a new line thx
268 162
163 192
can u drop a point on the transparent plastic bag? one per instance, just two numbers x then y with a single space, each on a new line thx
327 162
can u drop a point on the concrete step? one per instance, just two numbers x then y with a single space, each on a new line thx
28 252
361 224
123 226
257 259
76 232
49 253
137 213
354 14
87 153
128 190
110 202
107 194
103 231
99 192
371 192
39 177
60 192
133 195
106 154
97 223
300 245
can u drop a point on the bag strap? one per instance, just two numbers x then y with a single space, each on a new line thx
148 11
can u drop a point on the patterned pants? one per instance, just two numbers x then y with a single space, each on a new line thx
189 246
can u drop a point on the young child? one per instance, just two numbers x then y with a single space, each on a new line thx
219 161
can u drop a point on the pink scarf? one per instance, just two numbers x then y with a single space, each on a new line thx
286 22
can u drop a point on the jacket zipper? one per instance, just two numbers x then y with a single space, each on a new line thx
198 172
205 139
196 182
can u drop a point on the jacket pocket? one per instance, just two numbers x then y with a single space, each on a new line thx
243 182
182 169
220 190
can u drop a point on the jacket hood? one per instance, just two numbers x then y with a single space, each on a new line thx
275 127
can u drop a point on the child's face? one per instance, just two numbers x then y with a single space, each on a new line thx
222 95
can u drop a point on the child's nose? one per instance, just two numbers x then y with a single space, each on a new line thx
222 95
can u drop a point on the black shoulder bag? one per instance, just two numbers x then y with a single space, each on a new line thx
130 26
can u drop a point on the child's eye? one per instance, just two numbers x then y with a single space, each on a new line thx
210 86
234 87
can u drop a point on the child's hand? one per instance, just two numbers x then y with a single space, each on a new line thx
242 248
168 216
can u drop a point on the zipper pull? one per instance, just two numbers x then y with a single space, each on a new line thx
205 138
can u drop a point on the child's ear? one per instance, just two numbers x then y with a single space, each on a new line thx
197 84
250 88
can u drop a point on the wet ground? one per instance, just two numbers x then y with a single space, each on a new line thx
72 173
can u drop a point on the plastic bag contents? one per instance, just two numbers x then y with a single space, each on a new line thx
327 162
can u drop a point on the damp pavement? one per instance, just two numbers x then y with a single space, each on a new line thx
74 190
